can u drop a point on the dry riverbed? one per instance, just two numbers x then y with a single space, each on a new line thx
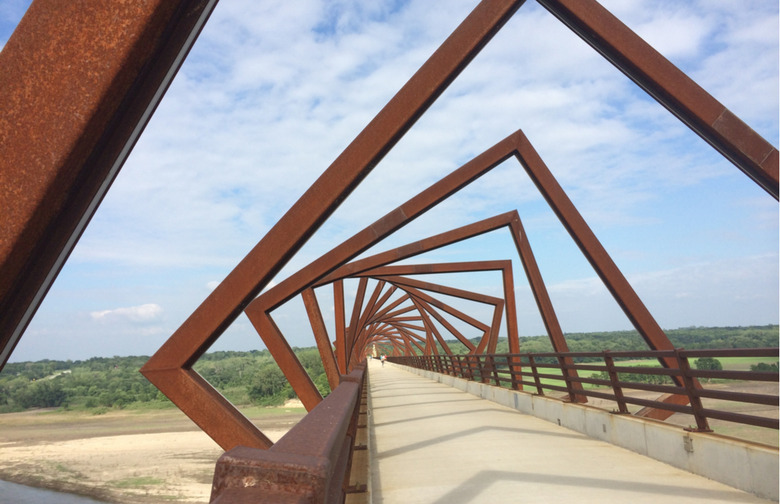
120 456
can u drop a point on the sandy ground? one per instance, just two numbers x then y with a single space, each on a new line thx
161 456
121 457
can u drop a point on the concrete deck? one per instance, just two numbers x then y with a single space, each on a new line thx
435 444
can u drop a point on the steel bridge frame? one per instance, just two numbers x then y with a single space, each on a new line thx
48 198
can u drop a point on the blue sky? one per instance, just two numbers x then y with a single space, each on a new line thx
273 91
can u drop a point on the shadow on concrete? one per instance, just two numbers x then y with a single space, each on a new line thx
467 432
424 403
482 481
467 412
435 392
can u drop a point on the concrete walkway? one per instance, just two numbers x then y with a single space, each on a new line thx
434 444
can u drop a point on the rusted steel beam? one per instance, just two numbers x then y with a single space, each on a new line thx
400 311
353 325
289 234
370 308
341 325
504 266
452 267
591 247
498 304
383 301
495 324
486 330
362 342
417 294
321 337
510 219
72 110
386 312
310 462
415 318
446 323
214 414
402 281
694 106
594 252
543 302
317 272
409 341
467 173
538 287
263 304
407 326
431 327
289 364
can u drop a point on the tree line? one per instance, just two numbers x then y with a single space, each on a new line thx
254 378
103 383
689 338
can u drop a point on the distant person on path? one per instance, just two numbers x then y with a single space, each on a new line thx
383 359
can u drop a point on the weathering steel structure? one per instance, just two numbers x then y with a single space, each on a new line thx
48 200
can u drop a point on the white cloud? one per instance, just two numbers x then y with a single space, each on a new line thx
272 93
145 313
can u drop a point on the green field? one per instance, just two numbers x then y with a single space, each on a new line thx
728 363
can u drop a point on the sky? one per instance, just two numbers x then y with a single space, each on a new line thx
273 91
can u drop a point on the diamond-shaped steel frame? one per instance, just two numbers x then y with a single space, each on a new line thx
171 367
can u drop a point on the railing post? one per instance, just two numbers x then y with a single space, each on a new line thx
537 381
510 364
617 389
472 365
484 368
566 377
514 365
352 436
459 372
495 370
693 397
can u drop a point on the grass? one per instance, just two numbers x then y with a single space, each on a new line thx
728 363
260 411
136 482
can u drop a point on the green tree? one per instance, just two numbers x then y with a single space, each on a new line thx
708 364
764 366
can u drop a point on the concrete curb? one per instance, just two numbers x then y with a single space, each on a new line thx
740 464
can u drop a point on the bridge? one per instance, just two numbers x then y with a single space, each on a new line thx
392 432
438 444
328 455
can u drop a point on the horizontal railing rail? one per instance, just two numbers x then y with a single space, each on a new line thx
606 375
310 464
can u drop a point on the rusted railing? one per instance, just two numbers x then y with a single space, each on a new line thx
572 374
311 463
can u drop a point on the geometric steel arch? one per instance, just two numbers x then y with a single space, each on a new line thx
171 366
93 161
202 403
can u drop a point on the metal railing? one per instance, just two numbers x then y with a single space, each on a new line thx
312 463
602 375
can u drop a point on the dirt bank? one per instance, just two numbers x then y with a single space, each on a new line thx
123 457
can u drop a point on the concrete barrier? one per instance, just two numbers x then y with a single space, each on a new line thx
740 464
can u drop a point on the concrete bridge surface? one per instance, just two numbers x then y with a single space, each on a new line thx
434 444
